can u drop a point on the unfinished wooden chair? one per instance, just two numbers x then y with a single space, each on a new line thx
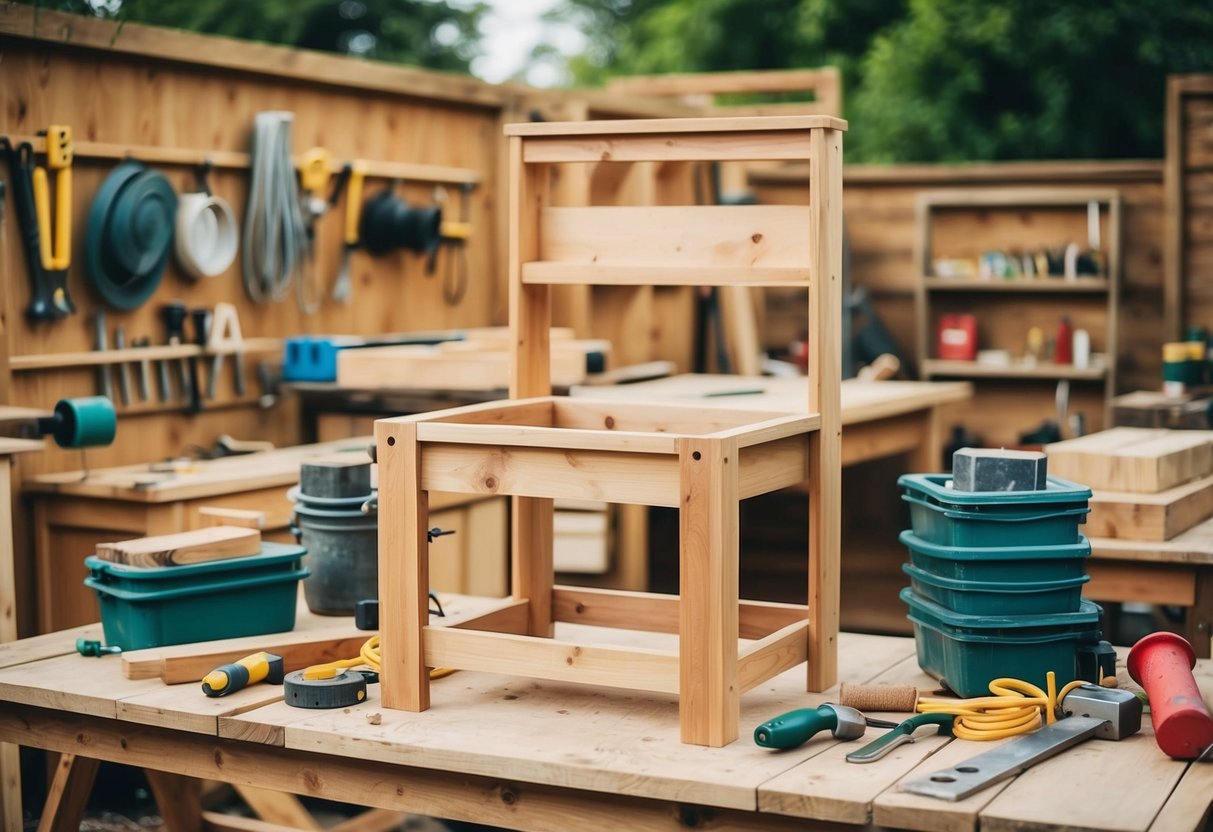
703 461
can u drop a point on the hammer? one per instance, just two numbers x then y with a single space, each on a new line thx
797 727
1090 711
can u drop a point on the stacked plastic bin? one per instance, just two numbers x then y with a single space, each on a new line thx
996 582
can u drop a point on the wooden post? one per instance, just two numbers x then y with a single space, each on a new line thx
709 701
825 378
68 794
404 574
531 535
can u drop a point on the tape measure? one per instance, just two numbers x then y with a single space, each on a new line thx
341 691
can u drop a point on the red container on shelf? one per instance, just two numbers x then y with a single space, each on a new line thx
957 338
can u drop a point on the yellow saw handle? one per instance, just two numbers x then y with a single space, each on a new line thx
56 250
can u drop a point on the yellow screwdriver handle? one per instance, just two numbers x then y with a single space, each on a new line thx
353 202
250 670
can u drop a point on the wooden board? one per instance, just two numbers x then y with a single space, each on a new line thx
198 546
452 367
1138 460
1161 516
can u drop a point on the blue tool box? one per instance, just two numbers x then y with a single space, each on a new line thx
314 357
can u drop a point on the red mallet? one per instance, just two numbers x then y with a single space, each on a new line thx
1162 664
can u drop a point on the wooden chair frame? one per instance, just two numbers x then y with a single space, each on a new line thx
537 447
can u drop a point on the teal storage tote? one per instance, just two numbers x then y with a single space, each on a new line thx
997 597
967 652
946 517
998 563
153 607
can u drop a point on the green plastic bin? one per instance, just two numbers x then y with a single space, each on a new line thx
967 652
1014 564
941 515
152 607
997 597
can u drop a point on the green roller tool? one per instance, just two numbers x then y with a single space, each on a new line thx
798 727
902 734
250 670
341 691
87 422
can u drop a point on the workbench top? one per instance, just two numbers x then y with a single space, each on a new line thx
861 401
535 737
156 483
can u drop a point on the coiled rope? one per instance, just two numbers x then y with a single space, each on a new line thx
275 239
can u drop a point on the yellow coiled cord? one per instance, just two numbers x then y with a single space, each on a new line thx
1015 708
368 656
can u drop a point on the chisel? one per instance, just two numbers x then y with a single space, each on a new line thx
124 372
101 344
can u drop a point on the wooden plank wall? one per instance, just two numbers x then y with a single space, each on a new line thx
879 204
131 87
1189 194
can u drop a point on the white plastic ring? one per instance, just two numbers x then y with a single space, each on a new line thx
206 235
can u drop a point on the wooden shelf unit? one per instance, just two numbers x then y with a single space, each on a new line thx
956 223
937 368
536 447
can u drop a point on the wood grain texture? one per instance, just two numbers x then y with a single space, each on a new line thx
1133 459
68 794
1159 516
825 378
198 546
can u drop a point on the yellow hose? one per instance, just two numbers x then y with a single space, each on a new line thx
1015 708
368 656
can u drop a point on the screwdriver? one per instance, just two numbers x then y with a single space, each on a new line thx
202 329
174 323
250 670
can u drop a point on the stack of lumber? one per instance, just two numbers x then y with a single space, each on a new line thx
479 362
198 546
1148 484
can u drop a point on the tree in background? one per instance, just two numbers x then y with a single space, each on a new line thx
435 35
932 80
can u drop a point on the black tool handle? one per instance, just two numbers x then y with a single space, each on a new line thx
42 305
202 329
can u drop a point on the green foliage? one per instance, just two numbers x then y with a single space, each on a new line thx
933 80
416 32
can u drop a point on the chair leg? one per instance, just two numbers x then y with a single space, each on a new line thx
404 574
709 702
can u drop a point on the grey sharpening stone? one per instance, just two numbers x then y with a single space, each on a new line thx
997 469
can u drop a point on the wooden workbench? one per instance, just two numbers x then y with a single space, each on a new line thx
1177 572
73 512
546 756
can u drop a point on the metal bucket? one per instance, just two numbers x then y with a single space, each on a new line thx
342 544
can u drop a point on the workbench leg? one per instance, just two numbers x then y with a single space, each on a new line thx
10 756
709 701
1198 618
277 808
927 456
69 791
178 798
404 568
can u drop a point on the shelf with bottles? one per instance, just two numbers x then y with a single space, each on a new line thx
1029 269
